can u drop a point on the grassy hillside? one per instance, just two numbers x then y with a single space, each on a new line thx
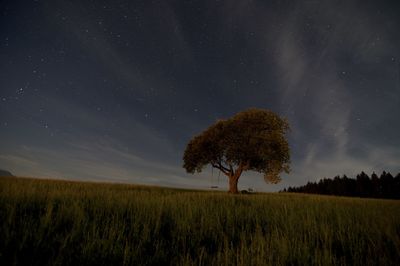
46 222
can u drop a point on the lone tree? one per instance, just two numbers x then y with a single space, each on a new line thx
251 140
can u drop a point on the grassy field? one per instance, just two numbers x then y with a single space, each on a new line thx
46 222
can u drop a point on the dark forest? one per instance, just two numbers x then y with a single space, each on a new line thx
384 186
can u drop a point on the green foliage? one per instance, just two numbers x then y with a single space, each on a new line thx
251 140
70 223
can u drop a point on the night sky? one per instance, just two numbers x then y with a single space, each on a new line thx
114 90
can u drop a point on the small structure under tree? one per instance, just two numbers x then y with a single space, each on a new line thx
254 139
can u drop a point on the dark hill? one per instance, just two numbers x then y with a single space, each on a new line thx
5 173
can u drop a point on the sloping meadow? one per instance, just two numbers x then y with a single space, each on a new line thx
44 222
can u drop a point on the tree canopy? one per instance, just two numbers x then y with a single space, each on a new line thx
254 139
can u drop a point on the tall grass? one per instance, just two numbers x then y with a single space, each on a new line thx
57 222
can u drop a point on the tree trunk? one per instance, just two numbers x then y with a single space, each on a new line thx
234 178
233 182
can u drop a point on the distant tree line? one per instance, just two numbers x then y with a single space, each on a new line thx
386 186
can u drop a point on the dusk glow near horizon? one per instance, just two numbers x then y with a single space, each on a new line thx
113 90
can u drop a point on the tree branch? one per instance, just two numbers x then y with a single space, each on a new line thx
246 166
222 163
220 167
225 168
239 170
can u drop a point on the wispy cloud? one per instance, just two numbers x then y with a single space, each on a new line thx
101 160
314 83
